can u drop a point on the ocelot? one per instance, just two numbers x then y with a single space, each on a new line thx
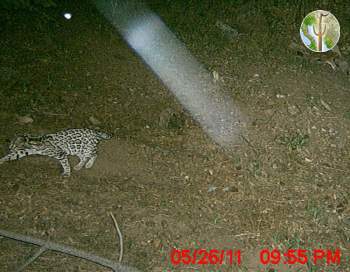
79 142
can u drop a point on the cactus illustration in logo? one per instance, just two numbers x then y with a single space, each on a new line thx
320 31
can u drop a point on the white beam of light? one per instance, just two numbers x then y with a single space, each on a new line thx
176 67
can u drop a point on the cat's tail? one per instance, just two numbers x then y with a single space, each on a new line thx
104 135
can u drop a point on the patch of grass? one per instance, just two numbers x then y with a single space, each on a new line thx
295 141
175 122
255 168
311 100
281 238
347 114
314 210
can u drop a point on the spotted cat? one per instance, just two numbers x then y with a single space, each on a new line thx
79 142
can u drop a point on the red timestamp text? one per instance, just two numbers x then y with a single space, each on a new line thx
205 257
300 256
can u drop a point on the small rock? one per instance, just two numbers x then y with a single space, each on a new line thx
94 121
269 112
229 31
212 188
298 48
343 65
24 120
266 211
293 110
158 269
325 105
346 221
157 243
230 189
215 76
170 119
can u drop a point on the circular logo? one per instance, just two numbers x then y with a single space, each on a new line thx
320 31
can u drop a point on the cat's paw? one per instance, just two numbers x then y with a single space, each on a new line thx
88 165
90 162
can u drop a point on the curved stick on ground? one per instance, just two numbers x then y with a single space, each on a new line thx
120 236
67 250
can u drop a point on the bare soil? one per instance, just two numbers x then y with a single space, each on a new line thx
286 185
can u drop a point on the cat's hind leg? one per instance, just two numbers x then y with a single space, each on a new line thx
63 159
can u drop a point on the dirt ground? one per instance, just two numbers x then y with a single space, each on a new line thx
285 185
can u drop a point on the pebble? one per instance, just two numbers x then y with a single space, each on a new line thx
215 76
25 120
325 105
292 110
94 121
230 189
212 188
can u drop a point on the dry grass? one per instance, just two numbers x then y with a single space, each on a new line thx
286 186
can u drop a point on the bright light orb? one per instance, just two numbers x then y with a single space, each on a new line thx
67 15
178 69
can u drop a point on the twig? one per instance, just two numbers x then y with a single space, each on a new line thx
32 259
333 168
68 250
120 237
53 113
248 234
50 113
250 145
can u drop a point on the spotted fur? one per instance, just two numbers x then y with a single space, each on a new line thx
77 142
